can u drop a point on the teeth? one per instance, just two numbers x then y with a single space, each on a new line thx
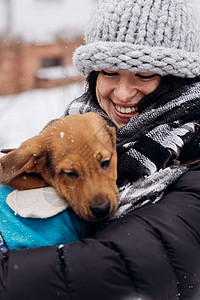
125 110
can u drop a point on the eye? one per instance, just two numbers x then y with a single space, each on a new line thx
71 174
146 76
109 73
105 164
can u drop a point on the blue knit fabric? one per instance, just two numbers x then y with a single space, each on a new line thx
21 232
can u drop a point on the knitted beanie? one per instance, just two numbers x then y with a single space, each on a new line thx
161 36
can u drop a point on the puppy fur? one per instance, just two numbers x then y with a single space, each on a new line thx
76 155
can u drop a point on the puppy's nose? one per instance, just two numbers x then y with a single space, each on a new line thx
101 210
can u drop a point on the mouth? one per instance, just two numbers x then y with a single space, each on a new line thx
125 112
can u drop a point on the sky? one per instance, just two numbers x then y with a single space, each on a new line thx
41 20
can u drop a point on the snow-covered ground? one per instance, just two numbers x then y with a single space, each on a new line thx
24 115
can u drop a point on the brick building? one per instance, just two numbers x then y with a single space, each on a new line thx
24 66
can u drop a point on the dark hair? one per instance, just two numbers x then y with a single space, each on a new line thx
169 83
91 85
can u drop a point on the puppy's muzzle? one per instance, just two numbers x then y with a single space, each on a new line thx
100 211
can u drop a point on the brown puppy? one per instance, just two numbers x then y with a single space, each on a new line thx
77 156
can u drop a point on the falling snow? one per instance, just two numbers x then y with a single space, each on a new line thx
62 135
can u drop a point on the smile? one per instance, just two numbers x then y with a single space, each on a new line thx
126 110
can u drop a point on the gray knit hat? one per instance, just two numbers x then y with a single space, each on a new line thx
161 36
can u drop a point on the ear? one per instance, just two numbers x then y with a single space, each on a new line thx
112 134
21 168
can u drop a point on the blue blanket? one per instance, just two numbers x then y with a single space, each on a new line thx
21 232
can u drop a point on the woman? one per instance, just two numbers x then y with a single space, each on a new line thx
143 65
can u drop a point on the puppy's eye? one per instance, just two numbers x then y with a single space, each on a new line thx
71 174
105 164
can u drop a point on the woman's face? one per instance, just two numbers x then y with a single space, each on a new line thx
119 92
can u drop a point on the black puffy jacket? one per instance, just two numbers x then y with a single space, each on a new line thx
152 253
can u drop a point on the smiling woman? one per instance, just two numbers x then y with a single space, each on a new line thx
166 84
142 63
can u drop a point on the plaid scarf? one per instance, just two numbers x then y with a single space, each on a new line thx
154 145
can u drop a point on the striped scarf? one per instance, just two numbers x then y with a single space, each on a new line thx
154 145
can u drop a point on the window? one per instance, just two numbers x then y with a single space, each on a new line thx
52 62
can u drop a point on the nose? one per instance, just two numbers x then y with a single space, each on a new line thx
101 210
125 90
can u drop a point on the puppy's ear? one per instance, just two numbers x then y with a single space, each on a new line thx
112 134
21 168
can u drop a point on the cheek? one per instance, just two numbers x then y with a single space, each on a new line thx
151 86
103 88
